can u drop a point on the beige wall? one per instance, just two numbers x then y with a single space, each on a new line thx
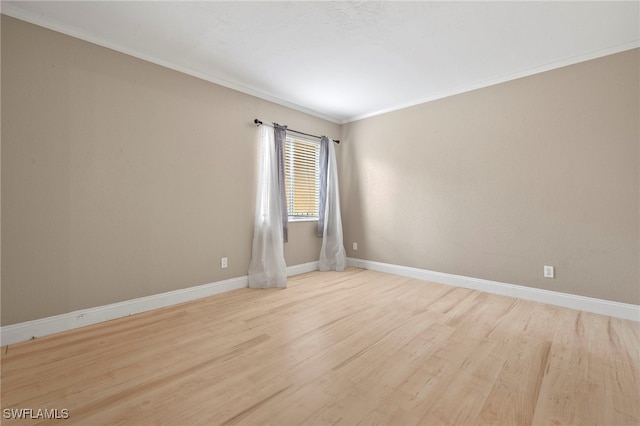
122 179
498 182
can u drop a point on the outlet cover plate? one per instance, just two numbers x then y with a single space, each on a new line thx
548 271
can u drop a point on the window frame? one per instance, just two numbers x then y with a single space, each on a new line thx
289 183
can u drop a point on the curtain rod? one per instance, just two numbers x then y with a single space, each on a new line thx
258 123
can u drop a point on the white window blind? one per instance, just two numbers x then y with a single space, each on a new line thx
302 177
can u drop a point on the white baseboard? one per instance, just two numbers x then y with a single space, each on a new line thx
582 303
303 268
15 333
42 327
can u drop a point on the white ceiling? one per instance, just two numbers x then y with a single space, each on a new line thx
348 60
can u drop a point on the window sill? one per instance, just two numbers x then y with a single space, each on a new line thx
303 219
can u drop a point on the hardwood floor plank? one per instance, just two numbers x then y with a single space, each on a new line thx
515 394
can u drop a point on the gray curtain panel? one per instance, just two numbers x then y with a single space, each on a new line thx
332 253
324 162
280 133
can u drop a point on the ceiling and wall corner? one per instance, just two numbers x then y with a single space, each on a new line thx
344 61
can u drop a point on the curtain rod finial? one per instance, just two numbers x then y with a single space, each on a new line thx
257 122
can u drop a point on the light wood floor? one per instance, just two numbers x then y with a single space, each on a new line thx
358 347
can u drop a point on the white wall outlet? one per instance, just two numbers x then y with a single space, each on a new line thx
548 271
355 246
223 262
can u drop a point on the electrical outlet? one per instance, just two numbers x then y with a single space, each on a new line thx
223 262
360 264
355 246
548 271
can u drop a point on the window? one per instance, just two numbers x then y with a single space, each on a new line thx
302 178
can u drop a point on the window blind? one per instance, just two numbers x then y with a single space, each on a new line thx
302 177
